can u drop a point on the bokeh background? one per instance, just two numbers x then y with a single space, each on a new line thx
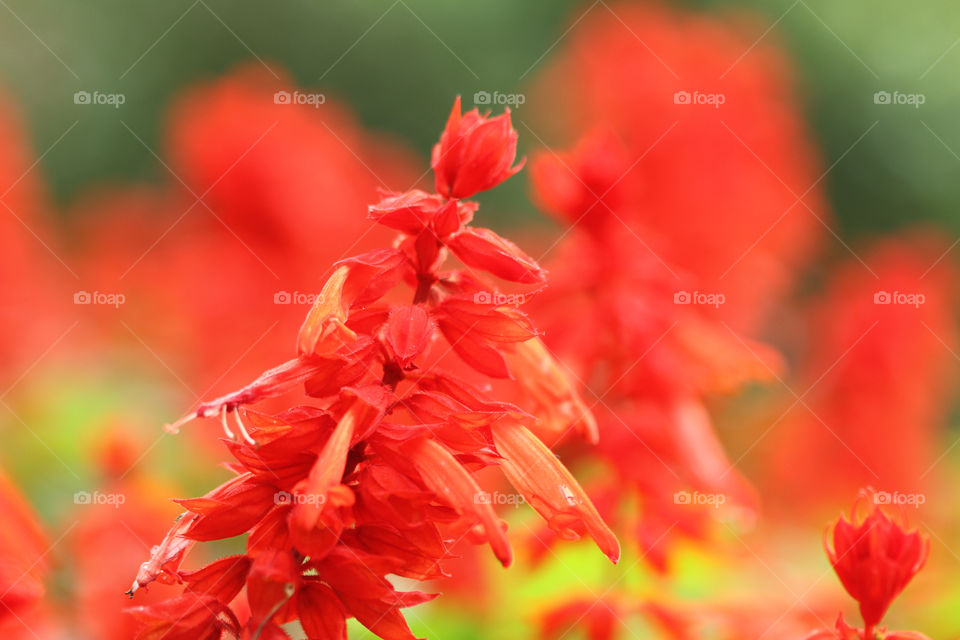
104 199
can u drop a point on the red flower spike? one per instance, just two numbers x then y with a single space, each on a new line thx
875 558
484 249
377 474
474 153
550 488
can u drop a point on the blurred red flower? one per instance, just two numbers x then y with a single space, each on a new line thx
714 156
860 416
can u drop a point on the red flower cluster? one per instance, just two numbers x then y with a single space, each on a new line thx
875 558
375 476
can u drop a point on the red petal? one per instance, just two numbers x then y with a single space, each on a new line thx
324 332
484 249
321 614
409 330
409 212
222 579
549 487
448 479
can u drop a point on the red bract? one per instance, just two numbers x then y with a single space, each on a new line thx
875 557
376 475
474 153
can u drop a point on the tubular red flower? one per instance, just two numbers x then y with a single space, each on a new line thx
550 488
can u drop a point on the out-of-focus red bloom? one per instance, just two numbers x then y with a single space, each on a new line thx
599 619
252 188
23 555
875 557
108 537
474 153
861 416
709 146
375 475
673 204
623 320
32 304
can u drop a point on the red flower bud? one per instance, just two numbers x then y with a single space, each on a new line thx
876 558
474 153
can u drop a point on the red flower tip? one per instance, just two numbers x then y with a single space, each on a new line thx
474 153
875 557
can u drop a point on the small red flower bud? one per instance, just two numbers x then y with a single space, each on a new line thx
474 153
876 558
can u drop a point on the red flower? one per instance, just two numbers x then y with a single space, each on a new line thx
474 153
376 475
875 557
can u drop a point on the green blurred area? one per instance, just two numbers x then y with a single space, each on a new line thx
399 62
